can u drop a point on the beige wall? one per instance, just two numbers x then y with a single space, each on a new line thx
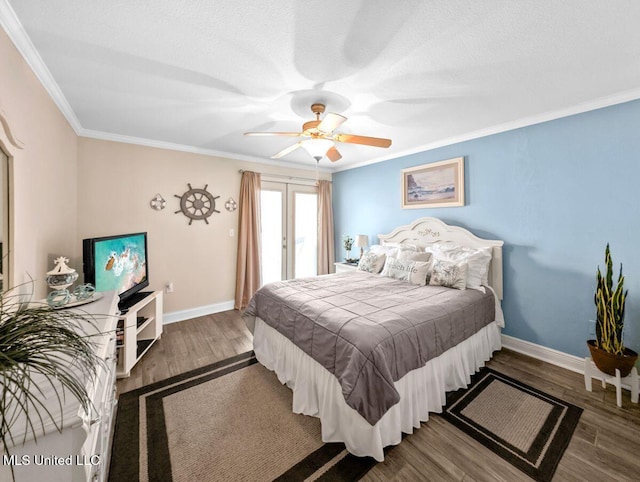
44 171
117 181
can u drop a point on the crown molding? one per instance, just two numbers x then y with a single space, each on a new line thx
600 103
105 136
11 24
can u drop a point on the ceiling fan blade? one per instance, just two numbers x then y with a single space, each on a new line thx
331 122
333 155
364 140
290 134
286 151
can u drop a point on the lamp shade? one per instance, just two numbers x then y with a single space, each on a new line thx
362 240
317 147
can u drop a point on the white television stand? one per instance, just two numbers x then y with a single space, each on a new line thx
138 328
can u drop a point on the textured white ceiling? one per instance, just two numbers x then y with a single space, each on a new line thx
200 73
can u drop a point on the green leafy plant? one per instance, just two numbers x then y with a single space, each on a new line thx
41 350
610 303
347 241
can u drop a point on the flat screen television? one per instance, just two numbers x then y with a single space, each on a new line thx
117 263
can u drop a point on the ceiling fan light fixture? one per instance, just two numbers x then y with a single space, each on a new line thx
320 137
317 148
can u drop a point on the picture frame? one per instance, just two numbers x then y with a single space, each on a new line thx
435 185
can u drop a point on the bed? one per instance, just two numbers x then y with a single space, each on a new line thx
373 356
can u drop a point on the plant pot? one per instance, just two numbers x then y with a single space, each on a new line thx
608 362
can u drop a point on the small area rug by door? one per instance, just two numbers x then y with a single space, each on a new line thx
228 421
525 426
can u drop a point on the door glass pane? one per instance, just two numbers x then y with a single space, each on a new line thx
271 250
306 235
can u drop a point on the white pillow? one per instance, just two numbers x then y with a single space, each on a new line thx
371 262
409 246
449 274
477 260
410 255
386 250
414 272
488 253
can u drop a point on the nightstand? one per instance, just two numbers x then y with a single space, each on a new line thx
345 267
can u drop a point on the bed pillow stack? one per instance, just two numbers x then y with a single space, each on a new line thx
406 262
446 264
373 260
476 260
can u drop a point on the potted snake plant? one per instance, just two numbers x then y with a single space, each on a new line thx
607 350
41 348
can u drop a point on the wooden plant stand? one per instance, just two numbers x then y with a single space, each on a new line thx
632 380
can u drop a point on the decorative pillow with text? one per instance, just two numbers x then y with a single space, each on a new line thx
414 272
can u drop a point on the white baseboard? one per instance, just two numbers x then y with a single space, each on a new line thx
549 355
195 312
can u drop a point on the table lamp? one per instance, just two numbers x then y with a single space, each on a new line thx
362 240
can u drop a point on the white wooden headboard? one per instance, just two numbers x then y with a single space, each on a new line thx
429 230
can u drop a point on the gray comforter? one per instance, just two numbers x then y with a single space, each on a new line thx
368 330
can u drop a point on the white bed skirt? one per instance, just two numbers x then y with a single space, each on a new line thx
316 392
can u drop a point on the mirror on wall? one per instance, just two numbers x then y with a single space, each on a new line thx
4 222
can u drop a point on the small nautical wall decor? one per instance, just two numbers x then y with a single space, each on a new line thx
197 204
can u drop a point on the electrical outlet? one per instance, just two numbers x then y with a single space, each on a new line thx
592 327
232 233
169 287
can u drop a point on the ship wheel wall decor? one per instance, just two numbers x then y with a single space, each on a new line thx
197 204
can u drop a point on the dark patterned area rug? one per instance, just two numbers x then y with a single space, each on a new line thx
525 426
228 421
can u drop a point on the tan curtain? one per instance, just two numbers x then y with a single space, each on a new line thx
326 254
248 273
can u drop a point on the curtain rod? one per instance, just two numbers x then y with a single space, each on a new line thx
282 176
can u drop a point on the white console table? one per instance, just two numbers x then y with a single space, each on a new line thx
632 380
80 451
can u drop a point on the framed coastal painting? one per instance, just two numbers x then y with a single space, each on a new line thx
435 185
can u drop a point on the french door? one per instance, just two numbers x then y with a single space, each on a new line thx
289 217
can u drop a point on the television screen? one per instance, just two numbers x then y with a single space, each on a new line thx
119 262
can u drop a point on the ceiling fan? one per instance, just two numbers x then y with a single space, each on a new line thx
319 136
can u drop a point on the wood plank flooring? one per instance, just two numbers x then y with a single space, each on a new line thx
604 446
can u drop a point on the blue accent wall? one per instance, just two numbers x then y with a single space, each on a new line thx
555 192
